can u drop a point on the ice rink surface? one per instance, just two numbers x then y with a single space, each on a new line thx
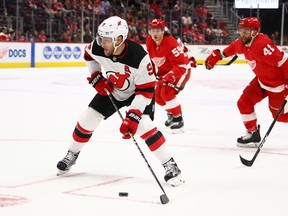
39 110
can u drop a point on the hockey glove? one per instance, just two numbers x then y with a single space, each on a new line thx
212 59
169 78
130 123
193 62
100 83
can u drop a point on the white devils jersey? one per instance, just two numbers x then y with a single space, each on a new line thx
130 73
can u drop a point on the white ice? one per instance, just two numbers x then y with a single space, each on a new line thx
38 112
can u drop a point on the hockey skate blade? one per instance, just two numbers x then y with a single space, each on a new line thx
177 131
176 181
62 173
164 199
248 145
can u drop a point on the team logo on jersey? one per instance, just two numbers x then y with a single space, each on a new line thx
252 64
120 79
159 61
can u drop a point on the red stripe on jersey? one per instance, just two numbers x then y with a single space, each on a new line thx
82 129
147 89
146 85
157 144
87 57
149 133
148 95
81 135
80 139
154 139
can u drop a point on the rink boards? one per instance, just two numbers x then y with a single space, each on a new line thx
19 55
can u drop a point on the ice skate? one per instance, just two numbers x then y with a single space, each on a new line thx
177 125
169 121
250 140
173 173
67 162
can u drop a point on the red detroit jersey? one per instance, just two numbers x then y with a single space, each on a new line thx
167 56
264 58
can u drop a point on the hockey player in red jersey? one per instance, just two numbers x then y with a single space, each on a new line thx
172 69
128 77
270 67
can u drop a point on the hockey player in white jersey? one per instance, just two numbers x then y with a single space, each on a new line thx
129 78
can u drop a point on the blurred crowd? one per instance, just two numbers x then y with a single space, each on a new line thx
77 21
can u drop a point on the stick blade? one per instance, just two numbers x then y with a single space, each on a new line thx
164 199
245 162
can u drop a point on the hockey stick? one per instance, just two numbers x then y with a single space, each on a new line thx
249 163
163 198
171 85
228 63
174 86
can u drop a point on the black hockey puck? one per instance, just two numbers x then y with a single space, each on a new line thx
123 194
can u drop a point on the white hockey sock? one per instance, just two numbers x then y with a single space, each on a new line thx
75 147
162 154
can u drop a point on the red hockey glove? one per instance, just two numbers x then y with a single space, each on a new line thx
130 123
100 83
169 78
212 59
193 62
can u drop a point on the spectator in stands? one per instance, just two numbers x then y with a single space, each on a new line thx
186 19
32 4
136 39
42 36
77 37
154 6
65 37
198 37
175 32
143 35
185 39
4 37
107 6
223 26
209 35
275 37
21 36
51 11
132 27
30 36
87 37
175 14
201 10
202 24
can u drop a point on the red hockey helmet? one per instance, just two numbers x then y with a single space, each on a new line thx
251 22
157 23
